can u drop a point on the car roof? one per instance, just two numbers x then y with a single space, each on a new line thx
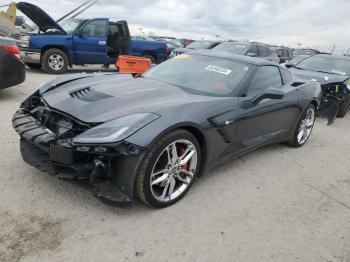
227 55
333 56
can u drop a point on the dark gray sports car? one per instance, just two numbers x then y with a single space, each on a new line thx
333 73
151 136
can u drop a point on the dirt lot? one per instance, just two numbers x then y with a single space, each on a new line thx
275 204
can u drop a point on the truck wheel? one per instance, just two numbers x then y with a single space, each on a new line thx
33 66
54 61
153 60
344 107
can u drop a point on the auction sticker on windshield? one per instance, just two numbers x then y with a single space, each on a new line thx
182 56
218 69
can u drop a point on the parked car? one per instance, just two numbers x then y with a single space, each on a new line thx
284 54
295 60
333 73
250 49
151 137
12 69
80 41
304 51
195 46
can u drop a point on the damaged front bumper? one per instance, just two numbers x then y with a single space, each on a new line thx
334 95
108 171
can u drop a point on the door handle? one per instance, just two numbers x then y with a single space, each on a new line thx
102 42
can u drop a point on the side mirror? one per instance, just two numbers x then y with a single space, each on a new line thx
269 93
251 54
80 33
289 65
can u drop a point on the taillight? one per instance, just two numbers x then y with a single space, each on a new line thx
12 49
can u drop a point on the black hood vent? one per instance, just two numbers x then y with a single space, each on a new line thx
87 94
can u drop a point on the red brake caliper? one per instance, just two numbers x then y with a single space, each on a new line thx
180 152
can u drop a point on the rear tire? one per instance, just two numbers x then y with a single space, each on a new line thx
174 180
304 127
344 107
54 61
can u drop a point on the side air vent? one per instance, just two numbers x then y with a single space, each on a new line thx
296 84
87 94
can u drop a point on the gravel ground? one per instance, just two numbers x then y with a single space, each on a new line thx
275 204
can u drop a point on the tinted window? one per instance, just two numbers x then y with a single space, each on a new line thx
95 28
233 47
262 51
200 74
265 77
253 49
329 64
286 76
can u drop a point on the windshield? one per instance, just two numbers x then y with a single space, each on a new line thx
201 74
70 25
199 45
332 65
236 48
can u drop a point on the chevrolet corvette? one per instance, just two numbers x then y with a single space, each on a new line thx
149 137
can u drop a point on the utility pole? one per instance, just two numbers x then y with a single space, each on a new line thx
217 36
299 45
333 49
140 28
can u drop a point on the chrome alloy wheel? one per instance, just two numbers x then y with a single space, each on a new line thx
306 126
174 170
56 62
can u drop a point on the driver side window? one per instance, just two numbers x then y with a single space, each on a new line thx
96 28
265 77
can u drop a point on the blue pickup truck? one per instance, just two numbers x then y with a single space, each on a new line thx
58 46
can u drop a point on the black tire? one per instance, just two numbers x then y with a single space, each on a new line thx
143 178
45 61
33 66
344 107
294 140
153 60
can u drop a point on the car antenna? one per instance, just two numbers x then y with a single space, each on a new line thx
71 12
84 9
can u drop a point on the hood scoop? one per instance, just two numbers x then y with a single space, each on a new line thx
87 94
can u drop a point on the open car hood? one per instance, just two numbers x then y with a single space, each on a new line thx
39 17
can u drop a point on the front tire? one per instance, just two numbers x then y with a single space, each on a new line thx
344 107
54 61
304 127
168 169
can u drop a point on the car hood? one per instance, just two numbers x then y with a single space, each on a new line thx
322 78
101 98
39 17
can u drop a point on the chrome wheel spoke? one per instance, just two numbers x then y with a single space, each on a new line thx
172 184
165 189
189 173
187 158
182 179
173 153
160 179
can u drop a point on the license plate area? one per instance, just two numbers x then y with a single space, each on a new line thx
61 155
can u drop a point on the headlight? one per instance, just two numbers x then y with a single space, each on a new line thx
115 130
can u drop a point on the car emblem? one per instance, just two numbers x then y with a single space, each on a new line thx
227 122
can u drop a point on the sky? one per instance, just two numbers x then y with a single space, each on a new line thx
317 24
